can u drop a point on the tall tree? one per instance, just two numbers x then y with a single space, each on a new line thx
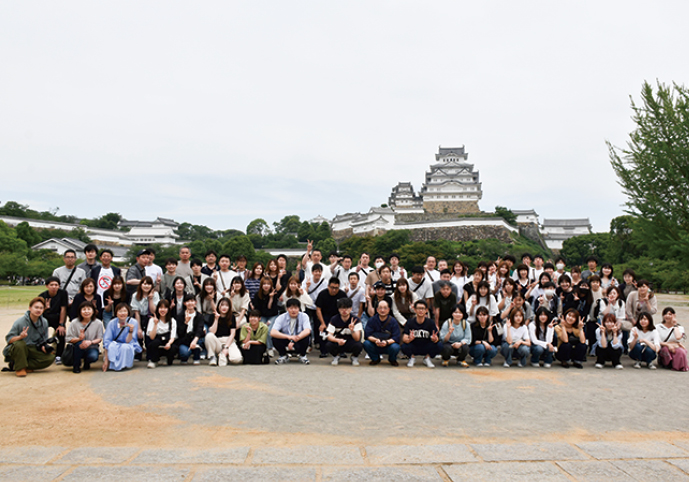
653 169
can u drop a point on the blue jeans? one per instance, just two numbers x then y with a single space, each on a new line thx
90 355
269 323
642 353
482 355
522 352
538 352
107 316
374 351
185 352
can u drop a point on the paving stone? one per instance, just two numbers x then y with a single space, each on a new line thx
29 455
31 473
308 454
424 454
118 474
595 471
256 474
683 445
651 470
381 474
512 471
98 455
236 455
683 464
527 452
631 450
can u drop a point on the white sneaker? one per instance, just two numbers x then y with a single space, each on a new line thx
520 365
151 364
367 357
58 360
546 365
304 360
336 361
197 362
355 361
411 361
637 365
598 365
506 365
652 366
619 367
427 361
282 360
271 353
213 362
203 357
536 365
479 365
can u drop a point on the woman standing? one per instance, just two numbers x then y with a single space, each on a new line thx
239 296
266 303
87 292
116 294
253 280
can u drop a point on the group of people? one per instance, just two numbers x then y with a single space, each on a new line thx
227 313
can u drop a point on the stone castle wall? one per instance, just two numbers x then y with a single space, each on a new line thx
458 207
454 233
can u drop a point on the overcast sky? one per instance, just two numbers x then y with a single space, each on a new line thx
217 113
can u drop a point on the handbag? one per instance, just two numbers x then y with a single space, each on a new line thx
68 351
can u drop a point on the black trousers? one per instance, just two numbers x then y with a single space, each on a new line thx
448 351
300 346
154 349
608 354
575 351
350 346
254 355
55 323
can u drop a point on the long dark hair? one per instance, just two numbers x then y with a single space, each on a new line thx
165 303
539 312
139 291
239 279
227 319
110 293
649 317
264 280
398 295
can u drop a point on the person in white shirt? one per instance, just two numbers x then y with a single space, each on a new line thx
395 268
516 339
420 285
431 273
311 258
363 268
153 270
541 335
644 341
224 277
345 271
609 341
355 293
184 263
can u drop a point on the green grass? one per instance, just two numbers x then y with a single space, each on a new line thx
18 296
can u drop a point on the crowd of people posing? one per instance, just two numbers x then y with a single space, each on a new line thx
223 311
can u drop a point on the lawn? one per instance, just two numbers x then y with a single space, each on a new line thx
18 296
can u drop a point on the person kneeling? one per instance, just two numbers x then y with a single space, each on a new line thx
516 339
27 348
189 331
344 333
609 339
456 337
291 333
85 334
120 341
254 336
421 336
382 335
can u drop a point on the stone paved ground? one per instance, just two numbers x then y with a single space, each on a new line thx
320 422
588 461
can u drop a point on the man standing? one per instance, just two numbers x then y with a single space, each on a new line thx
382 334
211 266
311 258
291 332
421 336
104 273
90 251
138 271
153 270
70 276
184 265
395 268
326 308
420 285
55 311
431 274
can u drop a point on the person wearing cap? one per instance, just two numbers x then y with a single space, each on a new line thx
344 333
90 251
379 294
138 271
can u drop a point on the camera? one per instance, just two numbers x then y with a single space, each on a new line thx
47 345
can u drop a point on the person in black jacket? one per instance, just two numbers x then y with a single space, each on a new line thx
189 331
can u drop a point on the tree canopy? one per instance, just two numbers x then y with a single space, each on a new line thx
653 169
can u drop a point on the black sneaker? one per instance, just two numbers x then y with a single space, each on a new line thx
577 365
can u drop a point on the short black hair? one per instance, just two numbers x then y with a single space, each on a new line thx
316 267
170 261
344 303
254 313
334 281
90 247
51 279
509 257
209 252
195 262
69 251
417 270
292 302
106 250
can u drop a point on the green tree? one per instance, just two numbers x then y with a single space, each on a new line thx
288 225
27 233
577 249
653 168
240 245
506 214
258 226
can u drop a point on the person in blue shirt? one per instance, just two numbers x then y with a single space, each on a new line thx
291 332
382 335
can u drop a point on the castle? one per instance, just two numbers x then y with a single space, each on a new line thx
446 207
